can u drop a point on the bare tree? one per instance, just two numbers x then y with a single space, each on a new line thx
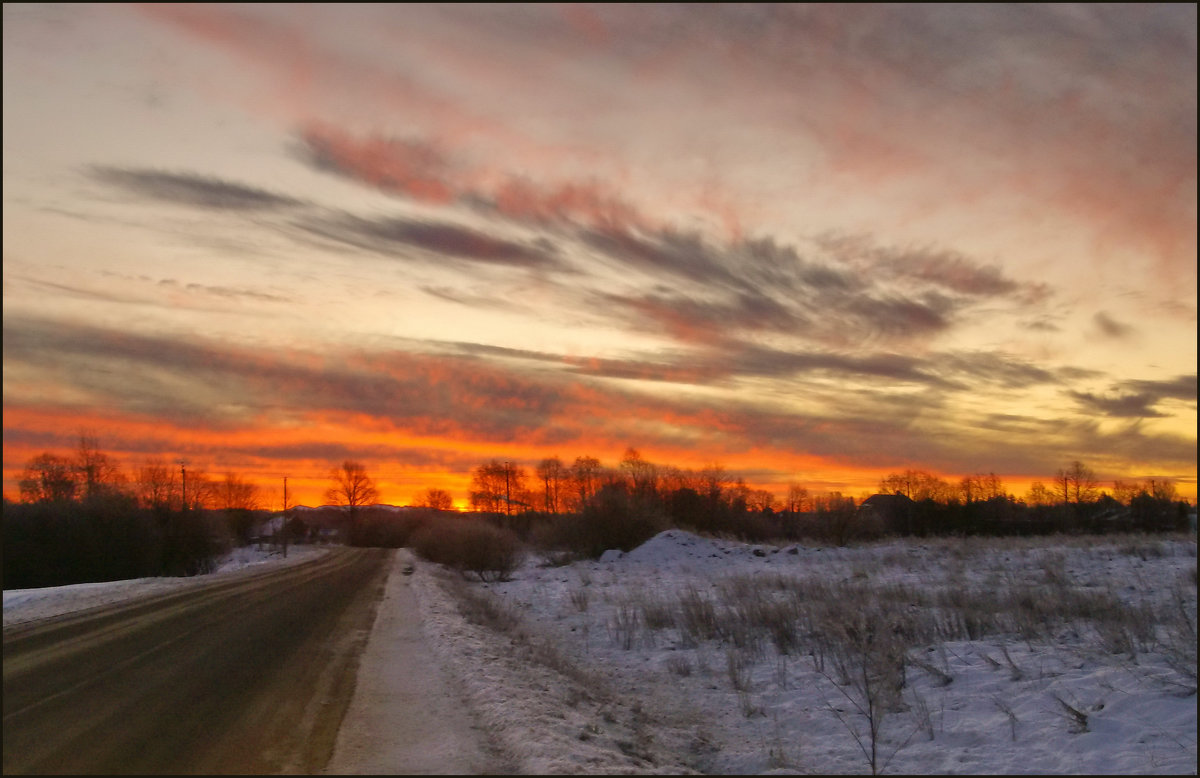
969 488
97 473
713 481
1125 491
437 499
835 516
1076 484
918 485
552 474
1038 494
488 487
351 487
48 478
1160 489
797 498
760 501
156 485
990 486
641 476
198 489
234 493
586 477
498 486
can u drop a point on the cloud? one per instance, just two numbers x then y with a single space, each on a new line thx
226 292
1138 398
926 267
1110 327
1179 388
474 397
417 169
192 189
411 168
395 236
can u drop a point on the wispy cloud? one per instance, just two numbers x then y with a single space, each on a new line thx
397 236
192 189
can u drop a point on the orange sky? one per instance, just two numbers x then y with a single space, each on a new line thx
814 243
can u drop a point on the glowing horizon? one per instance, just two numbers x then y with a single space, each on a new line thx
811 243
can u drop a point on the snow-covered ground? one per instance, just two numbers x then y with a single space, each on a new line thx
598 667
28 604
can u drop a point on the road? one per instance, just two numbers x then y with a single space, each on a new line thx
250 675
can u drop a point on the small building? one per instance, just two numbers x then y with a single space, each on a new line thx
893 512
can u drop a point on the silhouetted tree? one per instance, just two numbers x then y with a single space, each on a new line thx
498 487
1076 484
96 471
436 499
239 499
353 488
48 478
553 475
1039 495
156 485
585 479
797 498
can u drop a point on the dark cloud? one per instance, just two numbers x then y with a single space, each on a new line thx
432 459
925 267
987 368
191 189
1112 328
1179 388
746 267
894 315
395 236
866 294
733 359
1137 399
1120 405
698 321
678 256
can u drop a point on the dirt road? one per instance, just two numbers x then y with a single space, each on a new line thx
251 675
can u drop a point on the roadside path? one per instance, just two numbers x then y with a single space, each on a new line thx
407 715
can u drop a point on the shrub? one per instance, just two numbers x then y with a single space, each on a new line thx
469 546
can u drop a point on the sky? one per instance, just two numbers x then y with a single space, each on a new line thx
812 243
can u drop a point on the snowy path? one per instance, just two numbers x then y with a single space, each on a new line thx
407 715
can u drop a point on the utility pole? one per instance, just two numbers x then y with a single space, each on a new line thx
507 490
183 472
285 529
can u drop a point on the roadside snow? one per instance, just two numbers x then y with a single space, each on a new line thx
22 605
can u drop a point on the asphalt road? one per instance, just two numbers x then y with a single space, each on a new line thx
249 675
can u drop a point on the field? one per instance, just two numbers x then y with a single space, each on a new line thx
1049 655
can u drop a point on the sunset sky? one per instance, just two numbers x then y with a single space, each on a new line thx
809 243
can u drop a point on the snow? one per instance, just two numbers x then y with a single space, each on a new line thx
22 605
571 676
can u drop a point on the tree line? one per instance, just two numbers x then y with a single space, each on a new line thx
712 500
82 519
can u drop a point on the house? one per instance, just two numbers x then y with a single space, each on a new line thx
893 512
